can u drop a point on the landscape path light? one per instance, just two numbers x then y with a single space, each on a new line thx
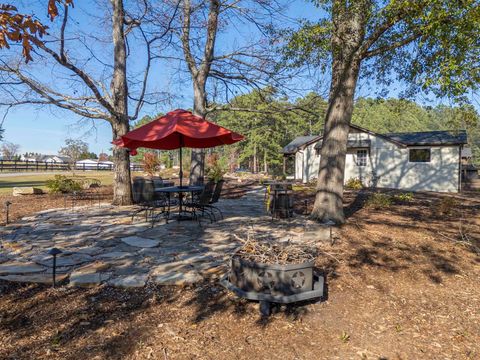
7 210
54 252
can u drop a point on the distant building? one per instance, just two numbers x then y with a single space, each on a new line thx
415 161
57 159
31 157
94 164
105 164
54 159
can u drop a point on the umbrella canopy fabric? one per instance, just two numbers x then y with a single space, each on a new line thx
177 129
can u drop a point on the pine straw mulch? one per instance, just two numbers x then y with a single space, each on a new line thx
30 204
397 289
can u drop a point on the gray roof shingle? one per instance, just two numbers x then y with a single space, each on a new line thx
445 137
298 143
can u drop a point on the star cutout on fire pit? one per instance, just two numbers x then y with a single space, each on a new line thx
265 279
297 280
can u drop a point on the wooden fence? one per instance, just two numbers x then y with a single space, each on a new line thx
25 166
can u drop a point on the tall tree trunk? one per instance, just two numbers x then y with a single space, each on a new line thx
265 165
328 204
254 158
348 36
122 191
197 166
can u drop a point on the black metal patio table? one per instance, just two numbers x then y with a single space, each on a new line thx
180 190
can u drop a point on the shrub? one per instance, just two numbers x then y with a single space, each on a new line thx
89 183
354 184
403 198
151 163
446 206
62 184
215 168
379 201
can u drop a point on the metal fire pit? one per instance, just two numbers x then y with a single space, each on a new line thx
273 283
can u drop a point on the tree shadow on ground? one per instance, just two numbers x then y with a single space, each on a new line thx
69 317
356 205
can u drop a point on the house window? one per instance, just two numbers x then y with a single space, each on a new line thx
362 157
419 155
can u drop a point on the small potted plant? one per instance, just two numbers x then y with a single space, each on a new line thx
151 163
215 169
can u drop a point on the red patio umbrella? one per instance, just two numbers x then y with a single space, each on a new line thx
175 130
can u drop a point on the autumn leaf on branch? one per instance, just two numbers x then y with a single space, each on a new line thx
53 9
24 29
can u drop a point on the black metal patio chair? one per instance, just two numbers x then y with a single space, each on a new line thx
216 196
158 182
202 203
150 202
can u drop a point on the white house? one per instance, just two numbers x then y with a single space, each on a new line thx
87 164
105 164
56 159
94 164
28 158
415 161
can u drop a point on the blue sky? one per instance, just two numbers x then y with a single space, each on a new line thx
45 129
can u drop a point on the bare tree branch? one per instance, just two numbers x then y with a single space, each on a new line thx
86 79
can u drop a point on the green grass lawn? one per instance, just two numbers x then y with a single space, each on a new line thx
38 180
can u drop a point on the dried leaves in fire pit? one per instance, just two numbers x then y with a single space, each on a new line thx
268 250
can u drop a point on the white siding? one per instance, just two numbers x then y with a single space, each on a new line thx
299 165
312 163
388 166
352 170
393 170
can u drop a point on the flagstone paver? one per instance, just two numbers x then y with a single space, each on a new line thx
62 260
178 278
16 267
129 281
101 244
114 255
88 279
138 241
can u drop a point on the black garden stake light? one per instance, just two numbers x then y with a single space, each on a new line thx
54 252
7 208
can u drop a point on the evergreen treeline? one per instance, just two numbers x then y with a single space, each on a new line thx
271 122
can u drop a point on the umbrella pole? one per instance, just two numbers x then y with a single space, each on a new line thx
181 167
180 195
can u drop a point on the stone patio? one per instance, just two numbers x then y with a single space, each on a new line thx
101 244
